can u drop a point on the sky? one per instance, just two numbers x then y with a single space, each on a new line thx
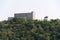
42 8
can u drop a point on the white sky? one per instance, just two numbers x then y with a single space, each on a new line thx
50 8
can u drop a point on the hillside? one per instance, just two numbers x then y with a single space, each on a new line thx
28 29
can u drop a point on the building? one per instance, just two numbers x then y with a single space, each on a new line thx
24 15
10 18
30 15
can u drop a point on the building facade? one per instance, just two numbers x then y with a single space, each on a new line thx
30 15
24 15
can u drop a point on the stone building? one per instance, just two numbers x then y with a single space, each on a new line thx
10 18
30 15
24 15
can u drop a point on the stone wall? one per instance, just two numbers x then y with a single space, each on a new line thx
24 15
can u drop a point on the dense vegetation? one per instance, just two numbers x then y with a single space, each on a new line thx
28 29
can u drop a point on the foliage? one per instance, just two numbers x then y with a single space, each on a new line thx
28 29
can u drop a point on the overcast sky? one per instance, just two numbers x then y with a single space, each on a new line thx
42 8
